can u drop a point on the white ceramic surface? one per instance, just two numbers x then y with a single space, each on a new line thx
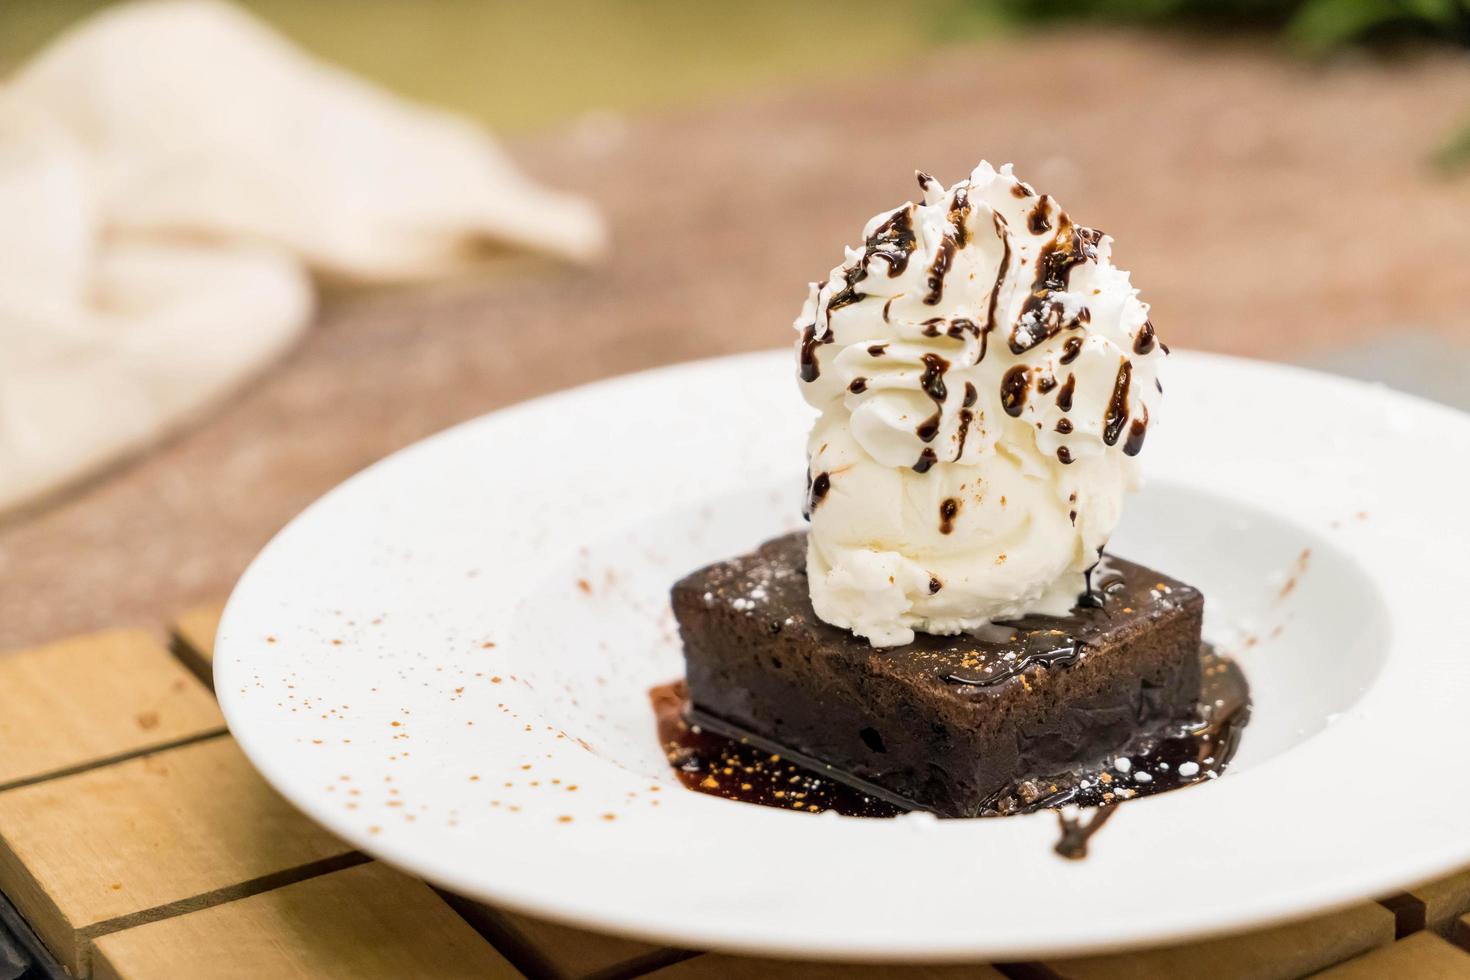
446 659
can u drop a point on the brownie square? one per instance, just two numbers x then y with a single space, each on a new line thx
946 723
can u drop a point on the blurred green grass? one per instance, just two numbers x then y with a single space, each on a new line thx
518 65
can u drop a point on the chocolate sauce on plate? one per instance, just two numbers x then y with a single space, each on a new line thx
735 769
1076 834
1181 753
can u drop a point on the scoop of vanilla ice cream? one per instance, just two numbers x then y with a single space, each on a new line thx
985 379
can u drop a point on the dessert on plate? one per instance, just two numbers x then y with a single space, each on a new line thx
949 634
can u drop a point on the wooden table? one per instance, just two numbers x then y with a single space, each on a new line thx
1266 208
141 845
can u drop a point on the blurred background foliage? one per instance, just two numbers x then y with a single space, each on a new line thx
1312 28
518 64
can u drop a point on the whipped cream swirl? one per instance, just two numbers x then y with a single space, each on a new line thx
985 378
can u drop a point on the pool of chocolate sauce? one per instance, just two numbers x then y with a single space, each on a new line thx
1180 754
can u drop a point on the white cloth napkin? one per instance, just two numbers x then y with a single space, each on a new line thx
171 172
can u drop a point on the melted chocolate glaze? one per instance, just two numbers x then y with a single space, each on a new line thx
858 386
1181 753
876 350
1064 454
926 461
1071 349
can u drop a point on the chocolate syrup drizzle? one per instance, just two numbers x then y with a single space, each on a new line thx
1144 342
820 486
949 509
809 369
1041 313
967 418
893 241
1136 433
959 216
1076 834
1038 220
1117 414
1064 396
932 382
1013 389
938 269
1003 233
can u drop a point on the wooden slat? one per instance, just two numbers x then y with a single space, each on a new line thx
1445 900
548 949
1460 932
193 639
1408 913
95 698
718 966
1288 951
366 923
113 847
1422 956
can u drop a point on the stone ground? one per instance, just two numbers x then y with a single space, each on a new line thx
1267 208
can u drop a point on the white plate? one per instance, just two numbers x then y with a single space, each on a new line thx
1324 519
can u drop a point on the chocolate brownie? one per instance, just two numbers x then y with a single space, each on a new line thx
944 723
